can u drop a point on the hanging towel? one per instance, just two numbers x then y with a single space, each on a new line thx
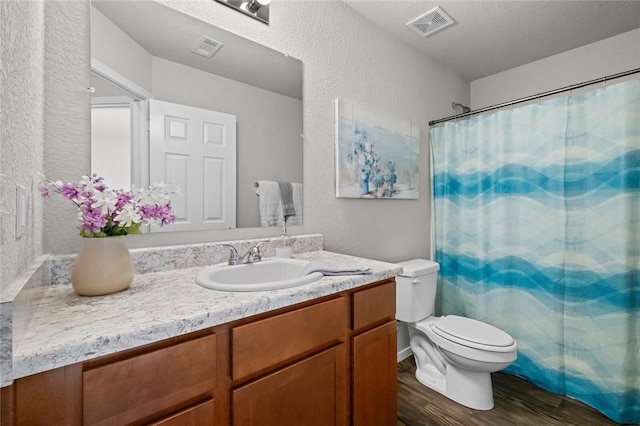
286 196
270 203
330 269
296 220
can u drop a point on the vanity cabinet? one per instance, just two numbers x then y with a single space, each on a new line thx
200 414
374 353
330 361
311 392
136 388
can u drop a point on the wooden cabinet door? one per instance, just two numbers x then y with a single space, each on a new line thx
375 376
311 392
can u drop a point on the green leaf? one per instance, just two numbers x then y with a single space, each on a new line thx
134 228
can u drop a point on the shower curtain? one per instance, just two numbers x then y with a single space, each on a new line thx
536 226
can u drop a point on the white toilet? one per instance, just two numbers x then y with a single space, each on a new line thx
455 356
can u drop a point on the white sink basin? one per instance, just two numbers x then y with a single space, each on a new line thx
268 274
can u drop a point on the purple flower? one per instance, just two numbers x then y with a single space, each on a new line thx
98 183
161 213
165 214
91 220
113 212
70 191
123 199
44 191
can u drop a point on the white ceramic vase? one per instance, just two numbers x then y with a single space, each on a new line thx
103 266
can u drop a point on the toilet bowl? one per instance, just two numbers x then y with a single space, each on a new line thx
455 356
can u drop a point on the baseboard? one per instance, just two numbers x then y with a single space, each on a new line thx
404 354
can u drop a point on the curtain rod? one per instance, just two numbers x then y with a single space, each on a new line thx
539 95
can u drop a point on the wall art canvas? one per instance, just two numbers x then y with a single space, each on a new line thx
377 156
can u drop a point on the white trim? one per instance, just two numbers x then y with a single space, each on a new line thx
103 71
404 353
140 145
110 101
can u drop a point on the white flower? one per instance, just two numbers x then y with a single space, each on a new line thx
127 216
156 194
105 200
101 210
40 178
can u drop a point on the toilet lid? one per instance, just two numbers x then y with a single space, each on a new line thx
473 333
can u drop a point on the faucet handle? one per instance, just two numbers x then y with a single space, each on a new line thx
256 256
234 257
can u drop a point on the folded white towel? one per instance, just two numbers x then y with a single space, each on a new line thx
331 269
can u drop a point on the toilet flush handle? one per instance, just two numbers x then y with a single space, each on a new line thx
415 280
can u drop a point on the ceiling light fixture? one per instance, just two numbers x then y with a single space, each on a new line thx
257 9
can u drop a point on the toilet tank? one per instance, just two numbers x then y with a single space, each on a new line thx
416 290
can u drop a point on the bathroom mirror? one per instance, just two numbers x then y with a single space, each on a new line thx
143 50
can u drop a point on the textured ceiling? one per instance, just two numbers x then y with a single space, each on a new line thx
493 36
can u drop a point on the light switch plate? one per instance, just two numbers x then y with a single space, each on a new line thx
21 210
3 208
3 193
2 228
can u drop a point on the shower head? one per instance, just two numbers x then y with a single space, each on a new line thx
465 109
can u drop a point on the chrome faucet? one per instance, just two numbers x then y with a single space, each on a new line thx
251 256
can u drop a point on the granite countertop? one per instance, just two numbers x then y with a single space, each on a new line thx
68 328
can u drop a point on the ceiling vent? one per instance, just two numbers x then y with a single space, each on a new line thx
431 22
206 46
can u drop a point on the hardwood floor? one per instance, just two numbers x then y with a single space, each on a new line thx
517 402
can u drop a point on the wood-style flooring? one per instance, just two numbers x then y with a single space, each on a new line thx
517 402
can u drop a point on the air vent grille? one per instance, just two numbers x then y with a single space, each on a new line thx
206 46
432 21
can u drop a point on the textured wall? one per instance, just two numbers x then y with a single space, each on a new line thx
345 56
22 41
595 60
67 115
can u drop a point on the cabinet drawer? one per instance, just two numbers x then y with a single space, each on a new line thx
198 415
132 389
374 304
311 392
270 341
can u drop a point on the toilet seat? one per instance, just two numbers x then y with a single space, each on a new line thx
472 333
477 352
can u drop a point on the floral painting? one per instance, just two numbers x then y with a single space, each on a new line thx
377 156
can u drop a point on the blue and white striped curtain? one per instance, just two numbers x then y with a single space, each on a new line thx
536 222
